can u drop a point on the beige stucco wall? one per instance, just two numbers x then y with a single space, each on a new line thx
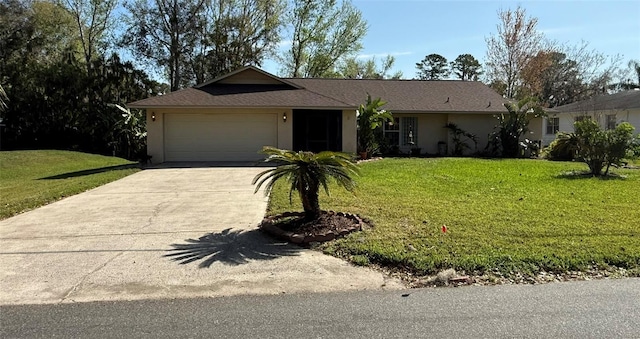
155 129
430 131
536 131
479 124
349 131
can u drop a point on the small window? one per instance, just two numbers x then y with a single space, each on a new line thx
410 131
553 125
392 132
611 121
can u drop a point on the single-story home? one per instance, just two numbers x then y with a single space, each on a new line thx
232 117
608 109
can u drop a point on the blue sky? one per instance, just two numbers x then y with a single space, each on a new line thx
412 29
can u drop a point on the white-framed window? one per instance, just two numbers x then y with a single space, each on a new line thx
553 125
611 121
403 132
392 132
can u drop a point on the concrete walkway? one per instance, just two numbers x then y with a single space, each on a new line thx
162 233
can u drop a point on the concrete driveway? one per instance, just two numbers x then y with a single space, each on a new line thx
162 233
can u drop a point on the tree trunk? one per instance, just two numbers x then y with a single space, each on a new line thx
310 201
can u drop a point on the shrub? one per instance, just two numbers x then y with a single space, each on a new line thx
563 148
600 149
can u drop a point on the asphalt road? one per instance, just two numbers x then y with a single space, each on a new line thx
592 309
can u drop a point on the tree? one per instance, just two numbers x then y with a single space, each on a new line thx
166 33
3 99
370 119
565 74
236 33
433 67
635 66
354 68
511 49
466 67
199 39
625 82
511 127
322 34
34 32
600 149
93 20
306 172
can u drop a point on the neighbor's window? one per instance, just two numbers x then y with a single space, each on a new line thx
582 118
611 121
409 128
553 125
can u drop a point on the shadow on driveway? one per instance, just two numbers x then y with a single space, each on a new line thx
91 171
230 247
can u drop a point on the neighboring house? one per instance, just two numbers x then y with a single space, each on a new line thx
609 110
231 117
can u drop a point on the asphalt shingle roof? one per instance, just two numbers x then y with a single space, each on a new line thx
621 100
411 95
243 96
400 95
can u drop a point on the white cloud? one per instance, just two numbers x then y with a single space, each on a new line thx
284 43
382 55
559 30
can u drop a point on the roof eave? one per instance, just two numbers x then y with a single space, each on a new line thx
242 107
443 112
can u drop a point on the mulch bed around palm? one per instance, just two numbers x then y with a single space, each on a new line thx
292 226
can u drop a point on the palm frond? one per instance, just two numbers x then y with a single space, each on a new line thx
307 171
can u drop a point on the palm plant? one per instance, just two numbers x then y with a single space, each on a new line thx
370 119
513 125
306 172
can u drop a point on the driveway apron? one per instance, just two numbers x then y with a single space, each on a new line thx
162 233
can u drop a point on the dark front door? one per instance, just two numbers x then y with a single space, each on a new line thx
316 131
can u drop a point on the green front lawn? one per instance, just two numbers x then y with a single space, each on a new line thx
502 216
29 179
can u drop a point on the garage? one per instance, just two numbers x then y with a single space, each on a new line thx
218 137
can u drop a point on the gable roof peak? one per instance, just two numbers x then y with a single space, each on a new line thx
243 76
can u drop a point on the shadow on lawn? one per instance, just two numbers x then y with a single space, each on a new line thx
230 247
576 175
90 171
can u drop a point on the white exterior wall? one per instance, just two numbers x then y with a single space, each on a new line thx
631 116
567 120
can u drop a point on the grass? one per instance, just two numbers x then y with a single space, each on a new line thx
503 216
29 179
